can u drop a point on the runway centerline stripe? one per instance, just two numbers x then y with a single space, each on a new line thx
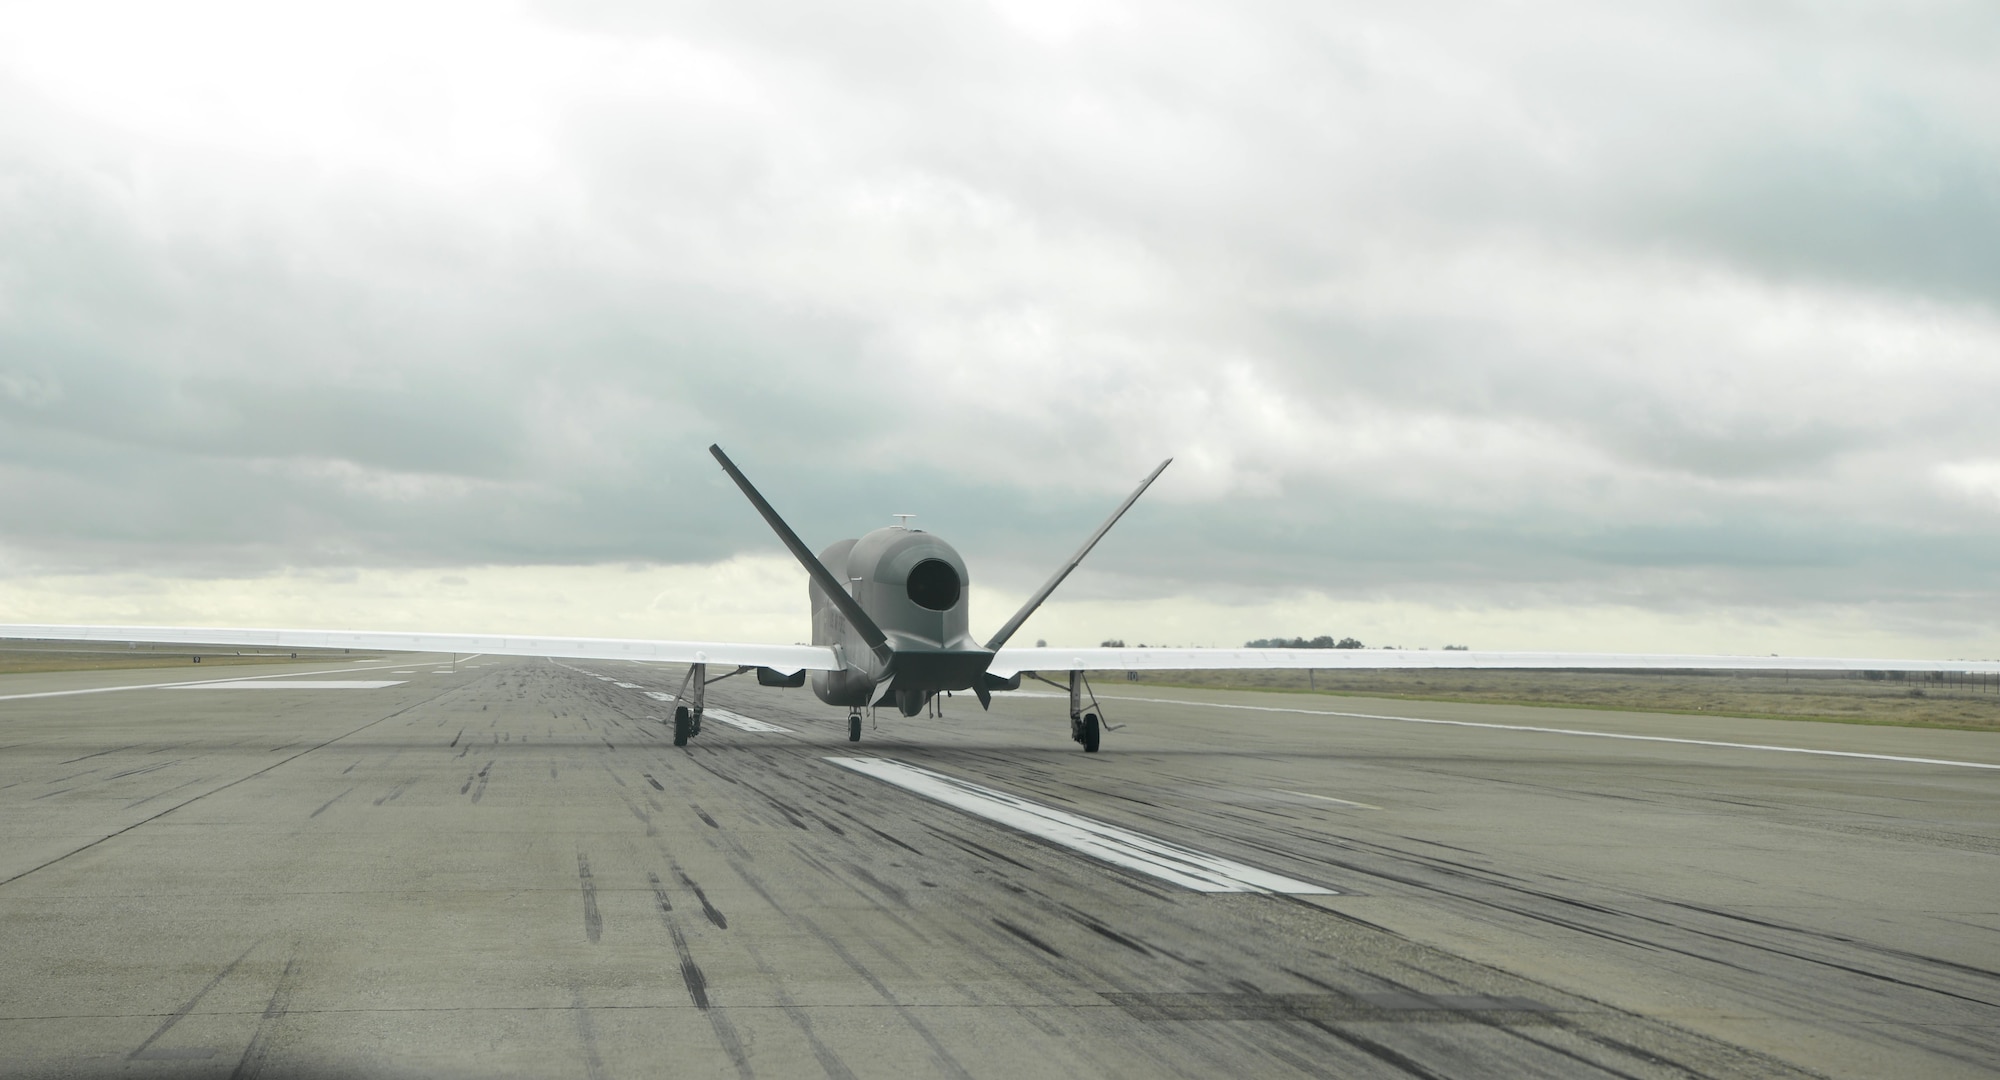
1107 843
1572 731
738 720
1329 798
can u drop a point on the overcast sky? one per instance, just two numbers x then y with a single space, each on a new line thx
1639 326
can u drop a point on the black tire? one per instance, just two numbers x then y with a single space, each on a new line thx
1090 733
853 727
683 726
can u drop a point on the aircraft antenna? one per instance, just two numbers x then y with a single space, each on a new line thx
903 521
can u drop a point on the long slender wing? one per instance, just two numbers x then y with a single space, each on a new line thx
785 659
1009 661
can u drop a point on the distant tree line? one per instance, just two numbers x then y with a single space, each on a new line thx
1324 641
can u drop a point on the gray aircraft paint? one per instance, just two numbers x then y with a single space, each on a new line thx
933 647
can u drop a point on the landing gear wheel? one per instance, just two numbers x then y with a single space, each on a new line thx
1089 739
683 726
854 727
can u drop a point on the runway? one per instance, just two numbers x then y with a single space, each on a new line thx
504 868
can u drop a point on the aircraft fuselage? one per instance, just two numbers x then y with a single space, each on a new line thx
914 586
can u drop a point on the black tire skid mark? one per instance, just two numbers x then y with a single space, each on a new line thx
1984 974
940 1056
323 806
1089 923
164 792
258 1050
694 978
1459 871
707 909
593 923
87 757
1769 1068
1018 938
1375 1050
645 819
224 787
1921 980
586 1031
187 1007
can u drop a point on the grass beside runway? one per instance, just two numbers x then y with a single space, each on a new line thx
1965 703
22 657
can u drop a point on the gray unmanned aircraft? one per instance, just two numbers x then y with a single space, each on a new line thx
892 628
897 620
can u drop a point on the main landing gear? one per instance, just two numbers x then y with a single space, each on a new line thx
854 726
1083 729
691 699
1086 725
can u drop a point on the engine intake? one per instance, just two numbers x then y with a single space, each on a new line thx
934 584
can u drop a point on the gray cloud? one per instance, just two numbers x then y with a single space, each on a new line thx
1669 306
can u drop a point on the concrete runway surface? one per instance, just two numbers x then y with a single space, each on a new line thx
506 869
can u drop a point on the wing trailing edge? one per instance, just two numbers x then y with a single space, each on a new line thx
1008 662
783 659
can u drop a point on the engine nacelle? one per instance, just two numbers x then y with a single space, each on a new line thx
851 688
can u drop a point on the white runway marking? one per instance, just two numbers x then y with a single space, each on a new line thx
738 720
657 696
1108 843
301 684
1572 731
626 685
1327 798
165 685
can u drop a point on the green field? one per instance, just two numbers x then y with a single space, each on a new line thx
1918 699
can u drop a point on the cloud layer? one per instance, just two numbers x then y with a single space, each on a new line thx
1673 312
